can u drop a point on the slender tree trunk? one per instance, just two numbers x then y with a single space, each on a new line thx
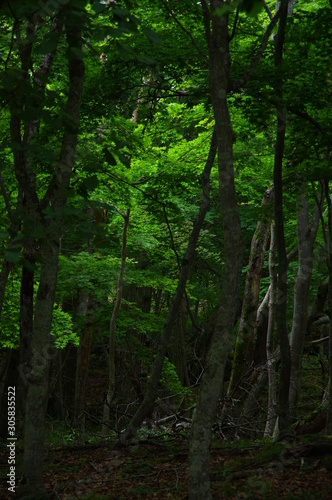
245 341
147 405
212 379
179 355
82 364
111 367
270 341
281 313
179 344
329 409
306 235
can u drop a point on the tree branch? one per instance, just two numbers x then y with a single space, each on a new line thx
269 13
235 24
206 19
242 81
185 31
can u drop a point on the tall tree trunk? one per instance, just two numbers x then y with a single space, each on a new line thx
37 397
32 485
147 405
179 344
212 379
111 365
306 235
270 341
82 364
329 408
179 354
245 341
281 313
26 328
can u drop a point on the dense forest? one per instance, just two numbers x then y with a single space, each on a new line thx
165 230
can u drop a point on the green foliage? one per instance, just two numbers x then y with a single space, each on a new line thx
62 329
9 319
171 381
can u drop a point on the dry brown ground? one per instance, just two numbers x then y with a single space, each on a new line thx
160 470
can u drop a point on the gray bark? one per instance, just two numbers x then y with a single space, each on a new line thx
270 354
212 379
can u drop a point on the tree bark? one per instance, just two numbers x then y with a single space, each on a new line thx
281 313
306 235
147 405
32 485
270 348
82 364
329 408
212 379
245 341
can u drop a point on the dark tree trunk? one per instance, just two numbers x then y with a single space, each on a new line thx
32 485
329 409
281 318
212 379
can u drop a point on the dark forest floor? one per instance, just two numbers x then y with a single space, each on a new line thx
153 469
